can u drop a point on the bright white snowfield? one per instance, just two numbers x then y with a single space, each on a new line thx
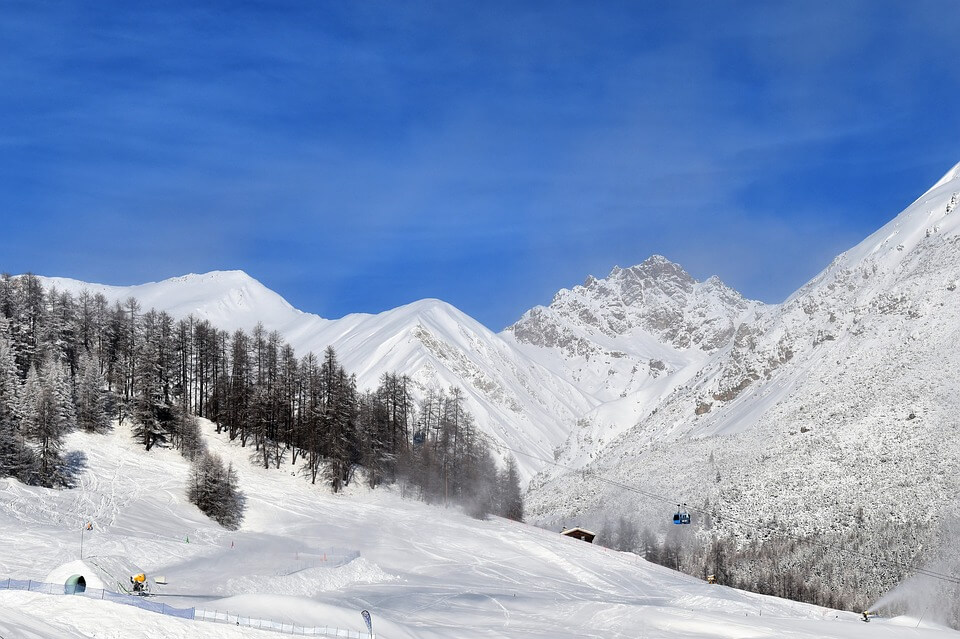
306 556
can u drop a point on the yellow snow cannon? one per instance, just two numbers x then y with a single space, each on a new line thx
139 583
867 614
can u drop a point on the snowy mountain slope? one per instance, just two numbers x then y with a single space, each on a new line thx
228 299
514 399
835 411
881 305
421 571
629 340
602 354
519 402
613 335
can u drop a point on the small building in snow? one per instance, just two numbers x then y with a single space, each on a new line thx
579 533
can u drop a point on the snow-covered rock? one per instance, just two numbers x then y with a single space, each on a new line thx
629 340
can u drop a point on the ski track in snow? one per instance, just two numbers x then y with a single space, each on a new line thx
423 571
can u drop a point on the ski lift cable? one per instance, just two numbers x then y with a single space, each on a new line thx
753 524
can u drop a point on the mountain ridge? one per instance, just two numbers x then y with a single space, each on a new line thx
569 378
515 400
513 390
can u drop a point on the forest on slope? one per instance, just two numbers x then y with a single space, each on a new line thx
71 362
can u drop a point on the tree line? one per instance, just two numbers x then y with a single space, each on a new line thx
80 361
848 570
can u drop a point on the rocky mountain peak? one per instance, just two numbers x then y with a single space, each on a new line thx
657 297
657 267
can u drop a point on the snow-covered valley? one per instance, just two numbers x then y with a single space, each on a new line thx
315 559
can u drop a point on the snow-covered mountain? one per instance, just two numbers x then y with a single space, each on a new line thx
648 354
653 309
514 399
598 358
887 309
629 340
228 299
834 411
601 355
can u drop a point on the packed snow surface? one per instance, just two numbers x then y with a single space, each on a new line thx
306 556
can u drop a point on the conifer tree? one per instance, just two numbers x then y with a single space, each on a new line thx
511 500
627 535
9 377
241 383
215 490
27 315
16 458
190 441
47 416
90 398
7 296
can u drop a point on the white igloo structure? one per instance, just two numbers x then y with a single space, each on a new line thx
76 577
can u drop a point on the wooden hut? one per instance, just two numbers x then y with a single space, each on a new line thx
579 533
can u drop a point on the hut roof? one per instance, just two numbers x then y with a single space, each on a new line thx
579 533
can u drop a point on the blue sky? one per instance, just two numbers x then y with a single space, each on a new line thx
355 156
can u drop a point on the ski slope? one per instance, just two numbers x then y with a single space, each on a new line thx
306 556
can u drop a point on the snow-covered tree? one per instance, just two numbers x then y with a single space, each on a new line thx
90 399
9 377
215 490
190 442
48 414
16 458
627 535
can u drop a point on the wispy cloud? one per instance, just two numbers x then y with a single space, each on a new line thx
357 156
